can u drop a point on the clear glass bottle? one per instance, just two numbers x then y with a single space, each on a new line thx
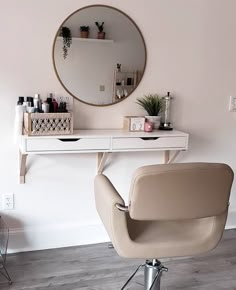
166 113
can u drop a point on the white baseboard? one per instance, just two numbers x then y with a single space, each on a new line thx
231 221
41 238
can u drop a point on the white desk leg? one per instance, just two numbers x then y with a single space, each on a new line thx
166 156
101 159
22 165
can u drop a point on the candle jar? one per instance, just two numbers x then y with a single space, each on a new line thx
148 126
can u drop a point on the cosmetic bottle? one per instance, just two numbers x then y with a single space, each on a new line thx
45 107
37 103
30 99
31 108
18 124
26 105
49 101
30 105
65 107
62 107
55 105
20 100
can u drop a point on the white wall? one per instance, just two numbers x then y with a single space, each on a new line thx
191 48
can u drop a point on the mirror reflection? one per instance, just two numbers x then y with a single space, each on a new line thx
103 58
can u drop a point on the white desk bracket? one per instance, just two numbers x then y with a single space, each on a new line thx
166 156
22 166
170 159
101 160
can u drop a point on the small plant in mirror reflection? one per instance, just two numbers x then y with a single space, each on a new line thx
118 67
100 27
84 31
67 40
84 28
151 103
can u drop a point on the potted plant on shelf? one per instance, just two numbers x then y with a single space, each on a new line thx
101 33
152 104
84 31
67 40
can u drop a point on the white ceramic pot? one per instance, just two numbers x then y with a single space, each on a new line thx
155 120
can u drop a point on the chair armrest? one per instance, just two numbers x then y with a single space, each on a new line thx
106 197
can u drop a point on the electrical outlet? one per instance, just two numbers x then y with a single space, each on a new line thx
102 88
8 201
232 104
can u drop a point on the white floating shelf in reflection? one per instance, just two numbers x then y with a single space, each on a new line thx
89 39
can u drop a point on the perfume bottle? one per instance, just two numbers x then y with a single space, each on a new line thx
19 117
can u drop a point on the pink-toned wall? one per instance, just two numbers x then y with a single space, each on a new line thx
191 48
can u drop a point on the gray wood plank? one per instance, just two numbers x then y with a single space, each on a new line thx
96 267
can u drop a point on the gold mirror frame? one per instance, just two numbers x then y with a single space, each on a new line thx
54 63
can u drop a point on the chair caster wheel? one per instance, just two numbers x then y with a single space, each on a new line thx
110 246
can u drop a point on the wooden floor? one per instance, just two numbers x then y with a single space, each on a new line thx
96 267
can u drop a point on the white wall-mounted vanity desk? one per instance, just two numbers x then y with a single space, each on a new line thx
103 142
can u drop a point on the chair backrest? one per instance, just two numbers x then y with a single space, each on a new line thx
180 191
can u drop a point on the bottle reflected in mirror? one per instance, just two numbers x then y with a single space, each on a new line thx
119 93
129 81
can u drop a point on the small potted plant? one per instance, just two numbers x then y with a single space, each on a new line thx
152 104
101 33
67 40
84 31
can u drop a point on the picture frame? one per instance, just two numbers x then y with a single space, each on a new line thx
134 123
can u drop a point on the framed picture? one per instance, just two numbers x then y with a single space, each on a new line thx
134 123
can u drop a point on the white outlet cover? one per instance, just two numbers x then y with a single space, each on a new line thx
232 103
8 201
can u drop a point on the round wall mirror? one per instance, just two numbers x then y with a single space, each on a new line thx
99 55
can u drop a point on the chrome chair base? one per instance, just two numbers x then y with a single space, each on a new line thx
152 275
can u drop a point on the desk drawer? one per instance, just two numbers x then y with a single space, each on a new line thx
149 143
65 144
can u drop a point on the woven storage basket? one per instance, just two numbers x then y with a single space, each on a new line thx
46 124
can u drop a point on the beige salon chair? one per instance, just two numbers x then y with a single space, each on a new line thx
174 210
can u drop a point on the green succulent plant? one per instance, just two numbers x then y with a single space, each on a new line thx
151 103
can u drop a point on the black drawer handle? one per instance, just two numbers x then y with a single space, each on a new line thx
150 138
69 139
